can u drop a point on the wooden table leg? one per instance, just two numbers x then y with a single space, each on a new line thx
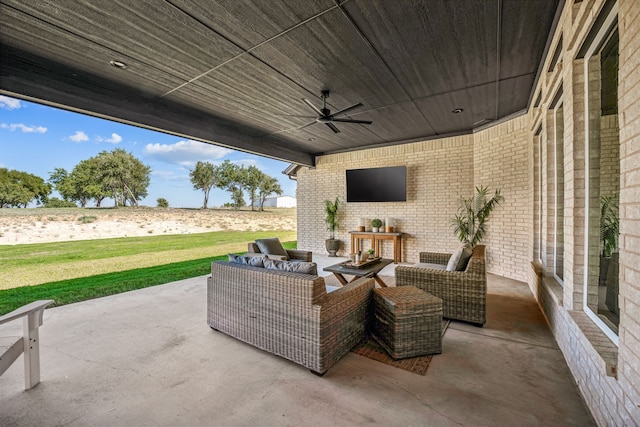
380 281
341 278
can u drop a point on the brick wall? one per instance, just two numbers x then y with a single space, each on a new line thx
438 173
501 159
629 299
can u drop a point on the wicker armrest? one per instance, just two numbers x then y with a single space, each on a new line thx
300 254
434 257
344 319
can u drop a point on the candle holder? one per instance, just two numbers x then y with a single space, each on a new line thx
388 225
361 224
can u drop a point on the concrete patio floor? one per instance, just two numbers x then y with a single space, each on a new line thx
148 358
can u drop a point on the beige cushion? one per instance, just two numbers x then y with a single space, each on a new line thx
295 267
272 247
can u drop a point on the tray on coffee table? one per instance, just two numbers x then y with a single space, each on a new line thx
363 264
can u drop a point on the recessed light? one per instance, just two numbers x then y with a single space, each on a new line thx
118 64
457 110
312 139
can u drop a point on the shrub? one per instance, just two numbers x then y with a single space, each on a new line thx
54 202
87 219
162 202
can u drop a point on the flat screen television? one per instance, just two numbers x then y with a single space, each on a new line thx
377 184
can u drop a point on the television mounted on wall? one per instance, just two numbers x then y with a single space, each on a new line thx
388 184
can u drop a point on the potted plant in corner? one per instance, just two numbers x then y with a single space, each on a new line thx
331 219
469 222
609 232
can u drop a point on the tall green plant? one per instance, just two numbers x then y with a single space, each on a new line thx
469 223
609 225
331 218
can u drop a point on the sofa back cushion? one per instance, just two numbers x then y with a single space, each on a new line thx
255 261
272 246
294 267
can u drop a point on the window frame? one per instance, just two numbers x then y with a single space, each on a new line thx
608 27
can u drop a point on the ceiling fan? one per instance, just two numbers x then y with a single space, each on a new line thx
325 116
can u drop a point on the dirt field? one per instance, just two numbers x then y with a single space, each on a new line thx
39 225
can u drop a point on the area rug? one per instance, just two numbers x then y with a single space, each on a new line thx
370 349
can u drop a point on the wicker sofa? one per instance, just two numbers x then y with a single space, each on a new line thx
288 314
463 293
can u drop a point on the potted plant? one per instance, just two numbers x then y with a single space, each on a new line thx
609 232
376 223
469 222
331 219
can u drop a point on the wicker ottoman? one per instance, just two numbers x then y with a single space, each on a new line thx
407 321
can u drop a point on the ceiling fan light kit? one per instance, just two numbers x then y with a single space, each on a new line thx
325 116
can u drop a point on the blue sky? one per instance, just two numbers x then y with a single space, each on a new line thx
36 139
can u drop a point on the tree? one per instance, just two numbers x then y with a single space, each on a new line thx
268 186
203 177
18 189
125 177
237 197
251 182
230 177
162 202
87 181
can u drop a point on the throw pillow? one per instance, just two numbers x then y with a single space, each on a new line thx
272 246
455 258
254 261
464 259
295 267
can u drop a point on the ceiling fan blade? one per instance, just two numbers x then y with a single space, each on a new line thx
332 127
310 104
346 110
364 122
295 115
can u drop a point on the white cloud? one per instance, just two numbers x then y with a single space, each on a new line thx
115 138
164 175
186 153
24 128
79 136
9 103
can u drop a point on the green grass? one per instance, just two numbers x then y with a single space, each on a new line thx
38 254
81 289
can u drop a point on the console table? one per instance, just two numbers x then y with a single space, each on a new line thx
376 239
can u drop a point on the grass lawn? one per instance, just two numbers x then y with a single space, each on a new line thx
35 264
80 289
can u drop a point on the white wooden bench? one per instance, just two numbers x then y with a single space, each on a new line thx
29 343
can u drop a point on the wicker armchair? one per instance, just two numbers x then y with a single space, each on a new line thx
294 254
288 314
463 293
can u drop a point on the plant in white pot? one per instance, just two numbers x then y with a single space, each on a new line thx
331 219
469 224
376 223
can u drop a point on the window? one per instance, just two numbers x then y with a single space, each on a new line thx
553 252
602 178
537 195
558 196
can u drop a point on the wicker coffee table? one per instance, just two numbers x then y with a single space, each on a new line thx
371 270
407 321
